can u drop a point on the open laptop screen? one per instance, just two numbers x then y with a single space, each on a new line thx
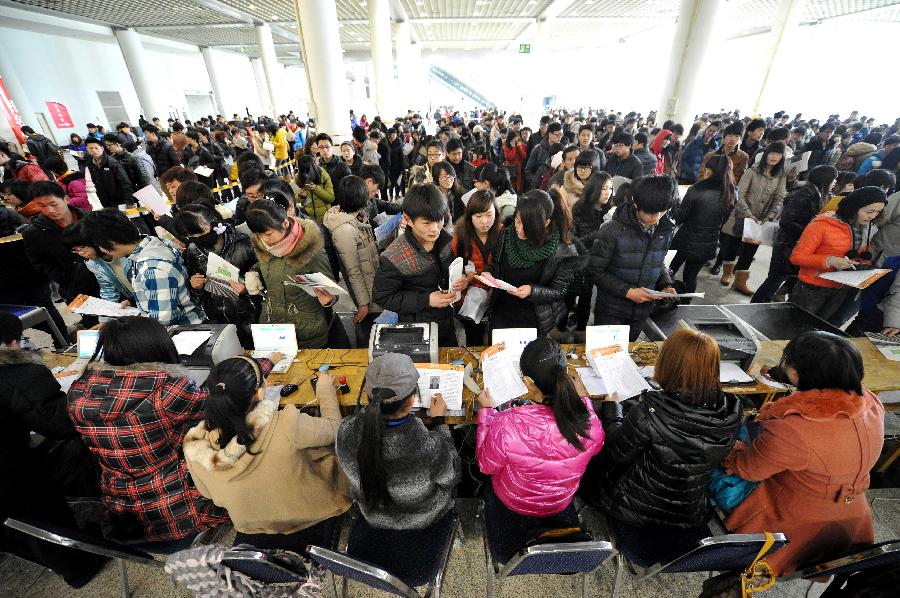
274 337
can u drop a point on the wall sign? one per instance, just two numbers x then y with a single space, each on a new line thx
11 113
60 115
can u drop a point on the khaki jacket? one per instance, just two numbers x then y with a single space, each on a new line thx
354 242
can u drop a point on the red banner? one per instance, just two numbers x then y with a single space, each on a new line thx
12 114
60 115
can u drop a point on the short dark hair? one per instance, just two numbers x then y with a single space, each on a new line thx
374 172
653 194
108 226
265 215
779 134
585 128
678 129
112 138
10 328
354 195
42 188
149 128
252 176
824 361
756 123
135 339
623 138
93 140
74 236
56 165
425 201
640 138
190 219
554 128
194 192
735 128
435 143
324 137
454 144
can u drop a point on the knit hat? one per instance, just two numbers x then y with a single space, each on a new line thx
394 371
859 199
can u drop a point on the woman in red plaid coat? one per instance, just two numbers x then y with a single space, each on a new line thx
133 410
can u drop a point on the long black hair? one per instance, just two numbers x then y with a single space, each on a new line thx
591 194
822 178
466 235
776 147
372 470
308 171
544 361
535 207
721 178
232 385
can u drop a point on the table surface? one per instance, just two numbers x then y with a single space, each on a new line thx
882 374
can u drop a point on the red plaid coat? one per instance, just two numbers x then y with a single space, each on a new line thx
134 418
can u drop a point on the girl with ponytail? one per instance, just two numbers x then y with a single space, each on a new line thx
536 256
536 453
274 470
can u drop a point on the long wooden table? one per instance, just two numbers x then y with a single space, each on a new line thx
881 374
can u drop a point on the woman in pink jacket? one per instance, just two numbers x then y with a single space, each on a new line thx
535 453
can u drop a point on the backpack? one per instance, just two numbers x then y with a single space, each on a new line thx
42 149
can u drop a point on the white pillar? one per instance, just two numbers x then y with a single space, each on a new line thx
262 88
321 44
403 51
209 60
786 22
380 40
17 94
696 22
141 76
271 67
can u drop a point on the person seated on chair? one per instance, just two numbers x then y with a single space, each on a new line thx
133 410
661 447
535 453
812 456
33 485
274 470
402 474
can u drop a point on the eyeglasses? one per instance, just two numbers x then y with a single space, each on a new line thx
434 155
446 177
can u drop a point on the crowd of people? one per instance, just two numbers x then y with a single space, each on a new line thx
576 216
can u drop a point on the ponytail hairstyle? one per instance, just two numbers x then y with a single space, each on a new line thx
544 361
722 177
535 207
232 385
372 470
821 178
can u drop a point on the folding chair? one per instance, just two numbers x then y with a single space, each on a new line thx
728 552
877 555
81 541
375 576
259 566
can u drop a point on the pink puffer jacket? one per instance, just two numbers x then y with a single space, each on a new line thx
535 471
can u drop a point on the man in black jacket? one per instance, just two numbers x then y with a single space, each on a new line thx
32 483
336 168
40 147
465 172
160 150
622 162
113 142
111 181
44 247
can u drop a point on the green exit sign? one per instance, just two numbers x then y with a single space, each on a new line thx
524 48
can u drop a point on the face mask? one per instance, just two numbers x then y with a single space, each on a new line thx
207 241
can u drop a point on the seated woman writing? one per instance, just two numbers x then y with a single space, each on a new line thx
812 456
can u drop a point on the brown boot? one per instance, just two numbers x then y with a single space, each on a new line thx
740 282
727 273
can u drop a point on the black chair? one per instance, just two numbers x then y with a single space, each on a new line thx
261 566
550 558
877 555
88 543
648 553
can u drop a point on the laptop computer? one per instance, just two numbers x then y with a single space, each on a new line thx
275 337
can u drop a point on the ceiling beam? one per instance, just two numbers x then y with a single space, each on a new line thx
536 31
191 26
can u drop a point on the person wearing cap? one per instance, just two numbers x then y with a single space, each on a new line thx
535 454
402 474
835 241
94 132
539 158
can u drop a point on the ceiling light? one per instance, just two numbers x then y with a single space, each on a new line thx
274 18
251 6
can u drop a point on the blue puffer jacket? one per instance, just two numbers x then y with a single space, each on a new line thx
692 157
625 257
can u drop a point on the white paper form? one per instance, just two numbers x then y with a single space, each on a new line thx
762 233
515 340
606 336
204 171
455 272
315 280
661 295
858 279
731 373
619 373
500 374
94 306
593 383
151 199
495 283
440 378
221 269
187 342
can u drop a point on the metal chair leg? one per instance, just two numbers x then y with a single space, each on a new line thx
123 579
620 565
332 583
584 585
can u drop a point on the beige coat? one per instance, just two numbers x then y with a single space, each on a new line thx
571 188
760 196
354 242
291 482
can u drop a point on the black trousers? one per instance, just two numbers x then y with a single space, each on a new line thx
781 270
731 247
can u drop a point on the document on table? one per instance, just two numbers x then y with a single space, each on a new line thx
515 339
500 374
859 279
204 171
619 373
615 335
593 383
94 306
315 280
187 342
455 272
661 295
442 378
495 283
151 199
889 346
731 373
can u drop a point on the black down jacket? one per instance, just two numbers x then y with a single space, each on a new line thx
800 207
659 457
549 293
700 214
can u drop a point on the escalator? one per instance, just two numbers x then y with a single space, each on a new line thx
439 74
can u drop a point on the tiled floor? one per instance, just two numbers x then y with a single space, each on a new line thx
466 574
